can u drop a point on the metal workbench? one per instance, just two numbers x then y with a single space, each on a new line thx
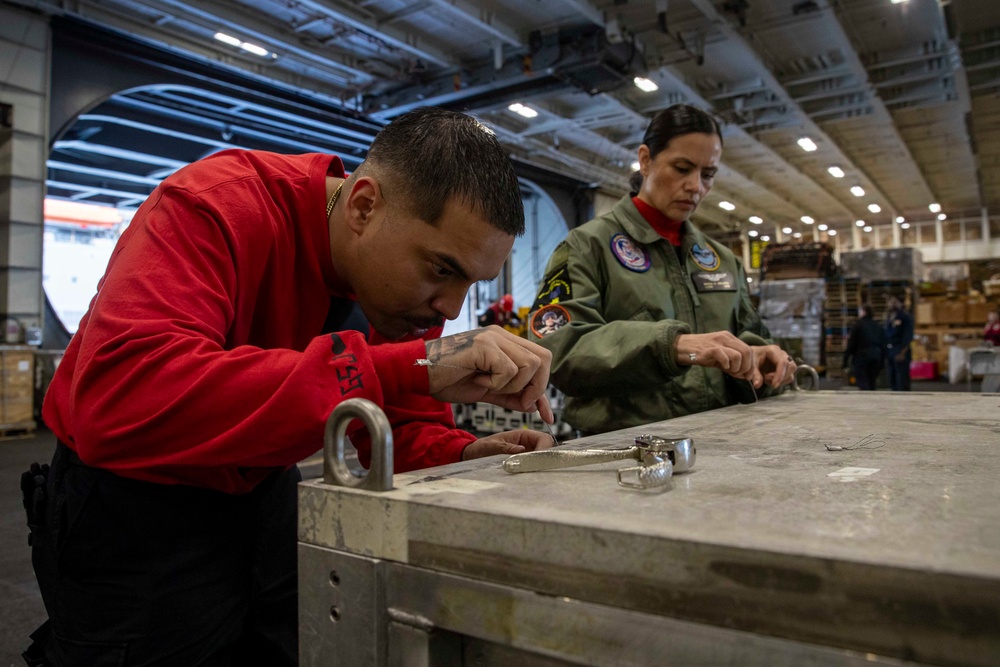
774 550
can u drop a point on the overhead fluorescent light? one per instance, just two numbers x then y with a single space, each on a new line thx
227 39
246 46
874 208
822 227
836 172
765 238
905 225
806 219
752 233
942 216
867 228
807 144
935 208
254 49
644 84
858 191
898 2
727 206
900 219
523 110
860 223
832 232
635 166
797 235
756 219
786 230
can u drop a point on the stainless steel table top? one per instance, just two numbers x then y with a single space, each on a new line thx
893 546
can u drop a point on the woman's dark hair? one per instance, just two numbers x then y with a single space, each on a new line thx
676 121
429 155
867 310
671 122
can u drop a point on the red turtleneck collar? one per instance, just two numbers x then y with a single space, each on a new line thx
664 226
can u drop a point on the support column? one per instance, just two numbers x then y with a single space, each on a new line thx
985 220
897 234
24 113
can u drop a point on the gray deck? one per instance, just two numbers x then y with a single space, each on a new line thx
770 533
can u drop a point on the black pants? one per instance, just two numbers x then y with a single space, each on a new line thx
134 573
866 373
899 373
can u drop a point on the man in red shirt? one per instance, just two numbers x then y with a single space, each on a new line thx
202 373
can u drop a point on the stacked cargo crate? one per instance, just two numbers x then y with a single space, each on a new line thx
17 389
843 297
792 311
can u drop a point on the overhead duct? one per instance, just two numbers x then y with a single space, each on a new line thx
584 59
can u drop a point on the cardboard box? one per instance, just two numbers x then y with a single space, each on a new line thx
976 312
949 312
924 313
17 386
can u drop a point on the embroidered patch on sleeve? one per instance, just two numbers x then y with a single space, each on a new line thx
555 287
549 320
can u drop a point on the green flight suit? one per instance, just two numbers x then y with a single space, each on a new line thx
614 298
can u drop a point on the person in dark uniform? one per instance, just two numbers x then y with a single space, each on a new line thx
899 335
866 349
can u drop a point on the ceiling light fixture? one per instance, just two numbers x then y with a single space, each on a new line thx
523 110
246 46
867 228
900 219
765 238
806 219
905 225
752 233
644 84
858 191
756 219
807 144
874 208
786 230
727 206
898 2
860 223
832 232
942 216
935 208
254 49
635 166
797 235
823 228
226 39
836 172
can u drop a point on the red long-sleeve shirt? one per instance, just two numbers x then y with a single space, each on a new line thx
200 360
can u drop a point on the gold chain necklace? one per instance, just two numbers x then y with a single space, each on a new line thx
333 200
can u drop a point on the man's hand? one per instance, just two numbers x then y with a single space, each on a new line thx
774 366
491 365
719 349
509 442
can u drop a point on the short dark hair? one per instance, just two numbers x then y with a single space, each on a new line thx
867 310
430 155
677 121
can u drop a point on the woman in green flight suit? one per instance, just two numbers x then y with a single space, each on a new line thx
646 317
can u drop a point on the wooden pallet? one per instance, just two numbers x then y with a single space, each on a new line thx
17 431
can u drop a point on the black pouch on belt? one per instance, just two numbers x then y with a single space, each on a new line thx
33 495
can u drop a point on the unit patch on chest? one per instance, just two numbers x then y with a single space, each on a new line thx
632 255
706 258
714 282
